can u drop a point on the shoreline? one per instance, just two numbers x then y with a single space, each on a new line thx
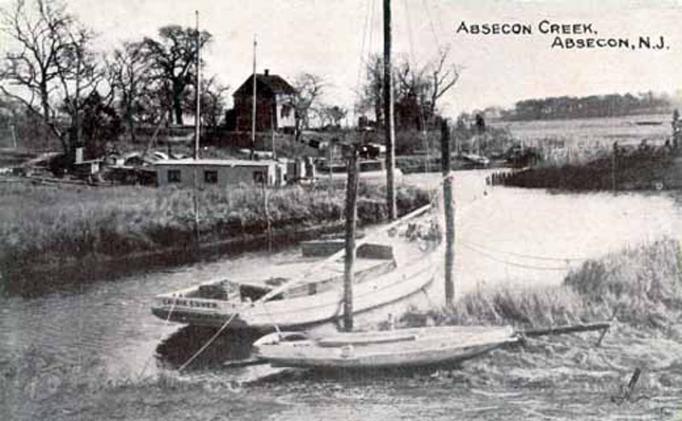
647 335
96 235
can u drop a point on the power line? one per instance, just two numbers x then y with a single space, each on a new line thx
433 29
362 47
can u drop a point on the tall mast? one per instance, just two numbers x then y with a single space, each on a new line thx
197 118
388 115
253 102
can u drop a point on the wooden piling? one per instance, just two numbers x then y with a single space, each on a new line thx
351 216
449 215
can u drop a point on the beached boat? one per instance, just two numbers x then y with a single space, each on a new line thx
413 347
392 264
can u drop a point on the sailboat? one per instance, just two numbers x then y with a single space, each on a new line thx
394 263
389 348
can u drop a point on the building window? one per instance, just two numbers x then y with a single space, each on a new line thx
259 177
211 177
286 110
174 176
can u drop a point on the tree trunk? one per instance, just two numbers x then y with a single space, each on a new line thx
131 127
177 108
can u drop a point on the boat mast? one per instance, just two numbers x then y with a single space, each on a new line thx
253 102
197 118
389 131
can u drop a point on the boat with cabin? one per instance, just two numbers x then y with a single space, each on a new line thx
392 264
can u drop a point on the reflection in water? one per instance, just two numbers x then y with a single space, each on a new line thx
179 347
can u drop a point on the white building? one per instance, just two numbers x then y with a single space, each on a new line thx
218 172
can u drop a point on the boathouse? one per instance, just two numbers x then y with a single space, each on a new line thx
218 172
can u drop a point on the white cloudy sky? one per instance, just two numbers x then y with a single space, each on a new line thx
326 37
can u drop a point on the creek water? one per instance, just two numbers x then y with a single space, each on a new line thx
506 237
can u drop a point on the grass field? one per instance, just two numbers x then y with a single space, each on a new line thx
52 226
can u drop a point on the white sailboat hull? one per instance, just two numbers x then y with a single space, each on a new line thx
384 349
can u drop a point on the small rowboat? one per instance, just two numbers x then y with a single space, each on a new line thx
412 347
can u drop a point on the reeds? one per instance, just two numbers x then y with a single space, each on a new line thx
641 286
48 225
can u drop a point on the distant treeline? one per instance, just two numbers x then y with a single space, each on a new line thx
590 106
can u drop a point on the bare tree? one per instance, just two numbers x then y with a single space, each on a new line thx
129 75
443 75
51 69
173 56
309 88
80 75
417 90
31 71
332 115
212 101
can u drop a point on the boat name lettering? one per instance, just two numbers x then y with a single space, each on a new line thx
189 303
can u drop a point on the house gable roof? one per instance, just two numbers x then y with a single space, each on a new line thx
275 84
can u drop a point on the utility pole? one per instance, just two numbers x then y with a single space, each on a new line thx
351 216
253 103
197 122
448 198
388 115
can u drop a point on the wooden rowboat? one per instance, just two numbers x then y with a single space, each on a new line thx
400 348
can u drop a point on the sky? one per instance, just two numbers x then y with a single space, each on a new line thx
331 38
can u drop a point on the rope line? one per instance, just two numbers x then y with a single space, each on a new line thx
362 48
528 256
433 29
165 323
208 343
510 263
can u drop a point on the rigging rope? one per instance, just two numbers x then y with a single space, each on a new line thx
433 29
165 323
208 343
510 263
528 256
362 48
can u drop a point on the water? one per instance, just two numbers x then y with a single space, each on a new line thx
505 237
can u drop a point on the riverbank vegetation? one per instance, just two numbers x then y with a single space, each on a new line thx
641 286
560 377
642 169
43 226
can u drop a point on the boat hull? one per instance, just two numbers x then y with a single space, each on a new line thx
428 347
370 298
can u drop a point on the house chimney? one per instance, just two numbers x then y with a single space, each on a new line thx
267 72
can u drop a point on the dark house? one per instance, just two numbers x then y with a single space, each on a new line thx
273 106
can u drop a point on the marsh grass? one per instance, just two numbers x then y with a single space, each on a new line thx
632 170
42 225
641 285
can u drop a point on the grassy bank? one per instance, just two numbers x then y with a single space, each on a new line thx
639 170
642 286
564 377
42 226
